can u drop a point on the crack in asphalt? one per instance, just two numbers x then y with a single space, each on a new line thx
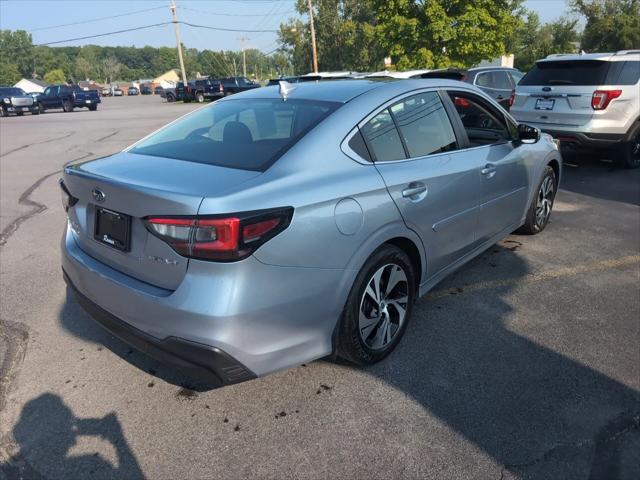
37 143
14 336
115 132
37 207
619 426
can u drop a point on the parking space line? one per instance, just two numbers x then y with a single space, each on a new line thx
537 276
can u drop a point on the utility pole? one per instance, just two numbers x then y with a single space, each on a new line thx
313 38
244 56
172 7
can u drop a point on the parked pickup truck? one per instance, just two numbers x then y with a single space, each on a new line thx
68 97
14 100
233 85
200 90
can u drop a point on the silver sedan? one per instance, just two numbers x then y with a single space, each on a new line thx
287 223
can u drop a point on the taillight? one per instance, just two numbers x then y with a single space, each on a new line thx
68 200
221 88
461 102
601 98
221 238
512 98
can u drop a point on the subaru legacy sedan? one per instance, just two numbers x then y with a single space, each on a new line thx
293 222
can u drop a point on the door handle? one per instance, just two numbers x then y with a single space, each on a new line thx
414 188
499 97
488 169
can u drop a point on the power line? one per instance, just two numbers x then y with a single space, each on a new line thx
104 34
222 29
94 19
216 14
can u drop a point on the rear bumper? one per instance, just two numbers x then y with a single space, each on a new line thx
201 362
265 317
570 140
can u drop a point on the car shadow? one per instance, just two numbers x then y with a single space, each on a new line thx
536 412
45 434
588 175
76 321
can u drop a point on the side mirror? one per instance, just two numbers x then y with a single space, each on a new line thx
527 134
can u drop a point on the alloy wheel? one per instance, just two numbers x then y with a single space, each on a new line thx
544 202
383 306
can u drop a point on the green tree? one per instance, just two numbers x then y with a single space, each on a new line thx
83 69
9 73
17 48
55 76
610 24
443 33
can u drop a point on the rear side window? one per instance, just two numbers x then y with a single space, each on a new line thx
516 76
570 72
498 80
424 125
243 134
383 138
624 73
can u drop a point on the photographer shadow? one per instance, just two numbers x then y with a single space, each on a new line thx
46 433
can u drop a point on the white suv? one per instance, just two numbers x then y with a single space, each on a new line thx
587 101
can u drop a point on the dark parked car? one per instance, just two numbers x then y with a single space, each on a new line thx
497 82
169 94
233 85
201 90
158 90
14 100
68 97
133 91
145 90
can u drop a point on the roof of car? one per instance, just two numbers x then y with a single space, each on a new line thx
621 55
343 91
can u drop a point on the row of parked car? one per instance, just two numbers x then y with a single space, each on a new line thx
115 91
65 97
209 89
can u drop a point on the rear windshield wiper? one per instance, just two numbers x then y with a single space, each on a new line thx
561 82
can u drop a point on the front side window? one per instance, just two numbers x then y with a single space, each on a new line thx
245 134
383 138
424 125
484 124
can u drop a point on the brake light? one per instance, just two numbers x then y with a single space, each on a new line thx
220 238
461 102
512 98
601 98
221 88
68 200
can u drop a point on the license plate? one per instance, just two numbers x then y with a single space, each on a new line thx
87 101
545 104
25 109
113 229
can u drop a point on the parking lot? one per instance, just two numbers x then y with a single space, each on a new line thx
523 364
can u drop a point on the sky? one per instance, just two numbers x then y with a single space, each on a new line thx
262 16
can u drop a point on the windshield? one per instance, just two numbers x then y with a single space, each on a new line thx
575 72
244 134
11 91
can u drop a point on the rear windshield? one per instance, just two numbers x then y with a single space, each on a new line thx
246 134
576 72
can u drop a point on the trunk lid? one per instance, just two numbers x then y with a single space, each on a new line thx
139 186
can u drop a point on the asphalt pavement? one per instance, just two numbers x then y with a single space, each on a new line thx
523 364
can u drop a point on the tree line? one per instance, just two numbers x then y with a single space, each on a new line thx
354 35
358 34
20 58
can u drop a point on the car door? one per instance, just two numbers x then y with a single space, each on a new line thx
491 138
435 188
50 97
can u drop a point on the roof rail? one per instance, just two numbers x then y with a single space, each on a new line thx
555 55
627 52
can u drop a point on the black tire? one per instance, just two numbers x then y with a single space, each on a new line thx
93 108
170 98
350 344
628 154
199 97
2 112
40 108
537 220
67 106
19 114
35 112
